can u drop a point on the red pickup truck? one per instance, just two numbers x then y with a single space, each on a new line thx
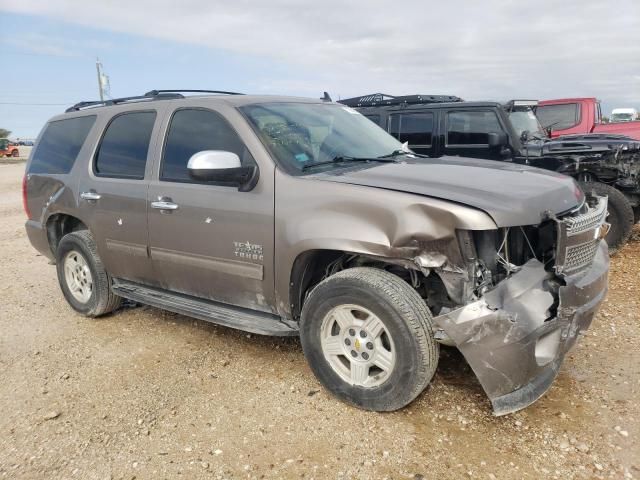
569 116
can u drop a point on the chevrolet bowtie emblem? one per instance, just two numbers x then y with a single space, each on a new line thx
357 344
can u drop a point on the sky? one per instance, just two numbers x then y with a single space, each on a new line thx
477 50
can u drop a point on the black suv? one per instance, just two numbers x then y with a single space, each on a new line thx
438 125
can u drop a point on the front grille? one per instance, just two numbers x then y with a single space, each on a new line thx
580 256
588 221
578 238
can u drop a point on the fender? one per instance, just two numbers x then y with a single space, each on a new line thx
398 226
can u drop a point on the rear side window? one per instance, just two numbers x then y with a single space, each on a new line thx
60 144
471 128
123 150
415 128
558 117
192 131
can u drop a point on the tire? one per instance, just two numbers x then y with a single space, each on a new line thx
408 329
636 215
77 252
620 213
15 153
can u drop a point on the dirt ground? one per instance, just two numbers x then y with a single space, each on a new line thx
149 394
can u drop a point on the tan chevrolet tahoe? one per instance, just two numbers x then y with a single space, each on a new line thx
293 216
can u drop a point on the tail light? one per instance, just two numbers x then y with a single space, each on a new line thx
25 203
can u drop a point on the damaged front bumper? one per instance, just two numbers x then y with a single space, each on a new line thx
509 338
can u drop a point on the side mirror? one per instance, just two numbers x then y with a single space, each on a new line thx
222 168
497 139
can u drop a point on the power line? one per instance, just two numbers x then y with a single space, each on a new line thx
37 104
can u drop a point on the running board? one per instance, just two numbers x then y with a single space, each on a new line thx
239 318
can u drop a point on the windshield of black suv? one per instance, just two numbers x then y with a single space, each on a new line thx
526 121
301 135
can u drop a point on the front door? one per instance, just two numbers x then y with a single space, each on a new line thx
210 241
467 134
113 196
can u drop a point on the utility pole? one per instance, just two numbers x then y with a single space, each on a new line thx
98 67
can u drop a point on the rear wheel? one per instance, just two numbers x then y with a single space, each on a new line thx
85 283
620 215
368 337
15 153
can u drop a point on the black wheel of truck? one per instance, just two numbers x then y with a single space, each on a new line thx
368 337
85 283
620 212
15 153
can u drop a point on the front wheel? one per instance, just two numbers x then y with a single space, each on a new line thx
620 212
368 337
15 153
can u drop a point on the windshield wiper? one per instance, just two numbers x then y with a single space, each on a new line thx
344 159
399 153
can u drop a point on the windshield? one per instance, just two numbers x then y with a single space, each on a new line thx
622 117
526 121
304 134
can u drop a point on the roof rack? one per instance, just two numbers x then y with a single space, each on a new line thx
382 99
150 95
222 92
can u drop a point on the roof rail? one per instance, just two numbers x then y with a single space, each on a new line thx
382 99
114 101
150 95
156 92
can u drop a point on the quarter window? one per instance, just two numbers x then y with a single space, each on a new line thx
471 128
192 131
125 145
60 144
415 128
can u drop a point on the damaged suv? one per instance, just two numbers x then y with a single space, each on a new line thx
289 216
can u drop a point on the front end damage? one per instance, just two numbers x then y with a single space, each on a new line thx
527 293
610 159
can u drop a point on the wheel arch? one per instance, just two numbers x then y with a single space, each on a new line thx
312 266
60 224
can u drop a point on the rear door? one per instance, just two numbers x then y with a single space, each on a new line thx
113 193
466 133
416 128
217 242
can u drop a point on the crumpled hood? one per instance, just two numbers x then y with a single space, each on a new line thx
583 144
511 194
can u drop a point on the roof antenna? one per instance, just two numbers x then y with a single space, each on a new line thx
326 98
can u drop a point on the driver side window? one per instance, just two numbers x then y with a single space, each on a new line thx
193 130
471 128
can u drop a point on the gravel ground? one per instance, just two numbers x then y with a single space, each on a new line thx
149 394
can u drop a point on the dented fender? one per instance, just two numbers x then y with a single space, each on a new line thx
402 227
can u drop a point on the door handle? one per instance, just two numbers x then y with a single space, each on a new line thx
164 205
90 196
